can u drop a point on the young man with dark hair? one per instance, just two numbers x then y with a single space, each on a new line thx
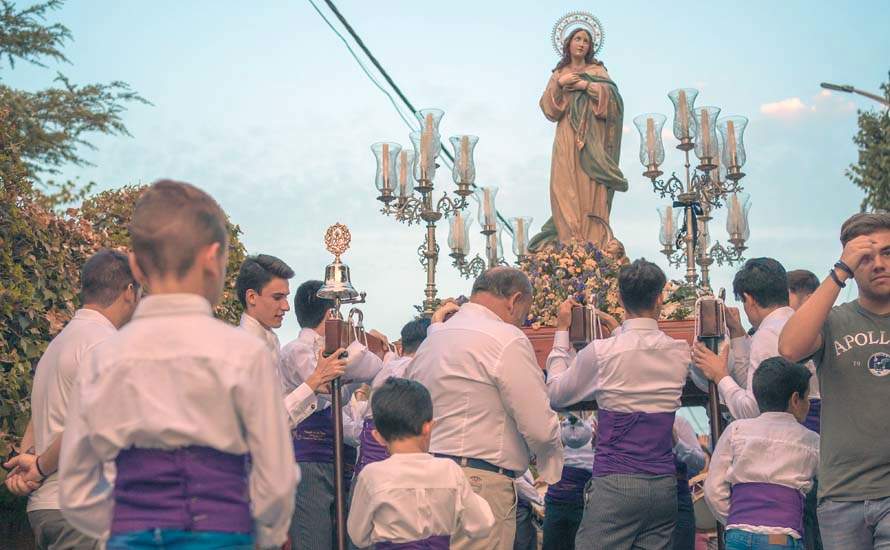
313 524
492 412
412 499
762 467
109 295
801 284
762 287
178 400
263 288
850 345
394 365
637 377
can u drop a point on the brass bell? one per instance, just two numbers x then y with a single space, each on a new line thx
337 283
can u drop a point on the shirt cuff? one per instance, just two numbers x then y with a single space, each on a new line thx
300 403
726 385
561 340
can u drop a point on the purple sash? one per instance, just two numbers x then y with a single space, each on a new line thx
370 451
634 443
570 488
191 489
314 438
438 542
813 420
314 442
766 505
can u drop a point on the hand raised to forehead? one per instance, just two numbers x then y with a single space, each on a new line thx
858 249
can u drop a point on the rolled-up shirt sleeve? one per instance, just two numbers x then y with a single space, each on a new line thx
524 396
570 376
85 495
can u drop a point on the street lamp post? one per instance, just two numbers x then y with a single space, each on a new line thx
846 88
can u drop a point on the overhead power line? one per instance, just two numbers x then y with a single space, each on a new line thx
389 80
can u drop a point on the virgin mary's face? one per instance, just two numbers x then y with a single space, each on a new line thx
580 45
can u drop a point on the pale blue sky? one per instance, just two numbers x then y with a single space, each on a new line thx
261 105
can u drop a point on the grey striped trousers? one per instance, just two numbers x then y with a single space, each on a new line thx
312 527
624 512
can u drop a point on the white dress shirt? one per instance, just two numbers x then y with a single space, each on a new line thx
762 345
414 496
772 448
638 369
175 377
300 357
687 448
393 365
55 376
299 403
526 490
489 397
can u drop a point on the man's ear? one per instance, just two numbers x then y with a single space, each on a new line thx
250 297
427 429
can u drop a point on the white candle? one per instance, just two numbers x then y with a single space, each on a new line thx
403 173
650 139
465 158
386 186
458 231
683 113
669 222
486 207
426 146
735 213
705 134
731 143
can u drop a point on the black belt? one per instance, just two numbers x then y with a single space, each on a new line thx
479 464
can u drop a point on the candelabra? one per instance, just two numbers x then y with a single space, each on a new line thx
398 169
714 182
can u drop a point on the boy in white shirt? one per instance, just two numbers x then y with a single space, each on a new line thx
178 400
763 467
412 499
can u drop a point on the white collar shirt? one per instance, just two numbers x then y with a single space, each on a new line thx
300 357
489 398
762 345
771 448
54 378
414 496
300 402
268 336
174 377
641 369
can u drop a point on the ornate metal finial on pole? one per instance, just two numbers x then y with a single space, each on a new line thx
338 287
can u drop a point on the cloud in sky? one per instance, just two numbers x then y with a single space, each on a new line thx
793 107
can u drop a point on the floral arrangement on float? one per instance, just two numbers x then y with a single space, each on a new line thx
589 275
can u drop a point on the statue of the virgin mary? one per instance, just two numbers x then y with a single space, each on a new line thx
588 111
